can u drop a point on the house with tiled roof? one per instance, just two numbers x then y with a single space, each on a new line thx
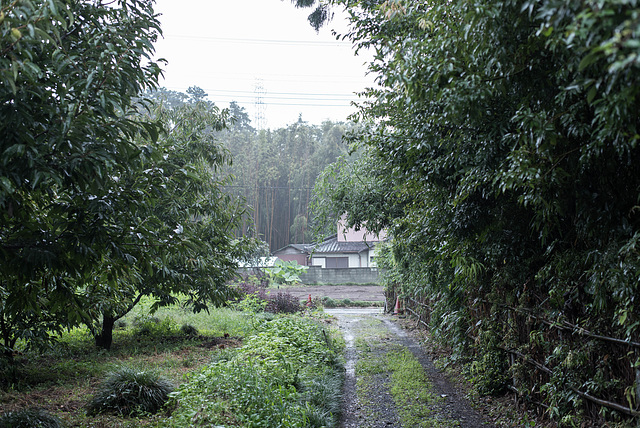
348 248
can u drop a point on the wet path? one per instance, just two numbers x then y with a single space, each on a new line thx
372 400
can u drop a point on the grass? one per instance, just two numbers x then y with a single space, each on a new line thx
384 367
412 392
63 379
328 302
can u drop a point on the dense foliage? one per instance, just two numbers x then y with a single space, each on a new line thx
104 198
502 153
288 375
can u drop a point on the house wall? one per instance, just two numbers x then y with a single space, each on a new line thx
355 260
290 254
351 235
319 275
300 258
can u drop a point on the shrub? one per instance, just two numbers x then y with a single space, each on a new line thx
283 303
152 326
29 418
128 391
188 330
329 302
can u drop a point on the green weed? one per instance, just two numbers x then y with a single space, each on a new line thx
412 392
287 374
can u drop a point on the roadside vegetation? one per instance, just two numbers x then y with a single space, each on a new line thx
228 367
500 152
328 302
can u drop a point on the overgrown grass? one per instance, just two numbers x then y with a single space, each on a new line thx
287 375
383 368
62 379
411 391
299 371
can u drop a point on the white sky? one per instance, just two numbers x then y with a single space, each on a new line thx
231 47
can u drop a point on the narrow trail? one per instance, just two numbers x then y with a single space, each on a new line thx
370 398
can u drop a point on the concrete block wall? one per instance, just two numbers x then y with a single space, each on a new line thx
317 275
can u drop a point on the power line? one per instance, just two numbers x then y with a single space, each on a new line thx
284 104
261 41
268 96
351 95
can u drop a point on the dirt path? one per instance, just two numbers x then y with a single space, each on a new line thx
365 293
376 394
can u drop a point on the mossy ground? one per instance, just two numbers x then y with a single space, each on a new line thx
392 388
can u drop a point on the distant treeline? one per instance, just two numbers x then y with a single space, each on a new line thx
274 170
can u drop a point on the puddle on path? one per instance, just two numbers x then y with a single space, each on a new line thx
379 410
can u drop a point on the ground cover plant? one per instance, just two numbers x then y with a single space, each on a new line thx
290 365
288 374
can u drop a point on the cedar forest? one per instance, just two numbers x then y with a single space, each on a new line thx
499 149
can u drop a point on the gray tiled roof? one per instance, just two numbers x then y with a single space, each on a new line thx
332 245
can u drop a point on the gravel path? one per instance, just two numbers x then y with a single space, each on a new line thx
370 335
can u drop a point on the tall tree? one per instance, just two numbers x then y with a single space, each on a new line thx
69 71
183 219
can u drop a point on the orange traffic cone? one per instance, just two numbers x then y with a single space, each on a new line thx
309 302
396 310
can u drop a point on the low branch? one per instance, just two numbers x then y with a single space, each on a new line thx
615 406
129 308
566 326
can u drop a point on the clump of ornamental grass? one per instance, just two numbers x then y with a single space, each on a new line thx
188 330
29 418
318 417
130 392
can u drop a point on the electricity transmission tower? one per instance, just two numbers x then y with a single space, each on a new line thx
259 106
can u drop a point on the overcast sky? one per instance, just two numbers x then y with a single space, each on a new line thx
260 52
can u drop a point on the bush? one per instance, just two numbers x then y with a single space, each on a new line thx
284 303
188 330
328 302
152 326
130 392
29 418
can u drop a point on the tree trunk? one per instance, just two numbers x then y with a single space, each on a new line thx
104 339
